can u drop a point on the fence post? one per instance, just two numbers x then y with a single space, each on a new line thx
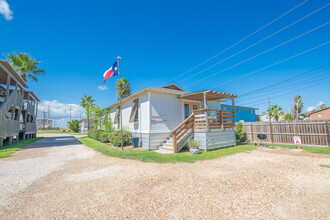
271 133
251 132
222 126
328 135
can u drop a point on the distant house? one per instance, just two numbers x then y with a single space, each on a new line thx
321 114
265 117
83 125
246 114
167 117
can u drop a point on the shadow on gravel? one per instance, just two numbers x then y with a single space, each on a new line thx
59 141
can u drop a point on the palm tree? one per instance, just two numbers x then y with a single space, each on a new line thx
123 88
87 102
27 66
298 105
275 111
288 117
323 106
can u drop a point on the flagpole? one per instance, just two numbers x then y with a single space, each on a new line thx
121 116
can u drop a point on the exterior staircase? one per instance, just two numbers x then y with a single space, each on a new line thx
167 147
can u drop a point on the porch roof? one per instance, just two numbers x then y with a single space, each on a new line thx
210 95
5 70
34 96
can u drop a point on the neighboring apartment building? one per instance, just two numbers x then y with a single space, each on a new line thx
321 114
44 123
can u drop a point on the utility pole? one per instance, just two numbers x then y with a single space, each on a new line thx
70 111
268 107
49 118
291 108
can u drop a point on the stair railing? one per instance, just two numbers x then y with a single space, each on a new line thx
182 129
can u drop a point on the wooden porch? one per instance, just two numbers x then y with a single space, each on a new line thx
204 120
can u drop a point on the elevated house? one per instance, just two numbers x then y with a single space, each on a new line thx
167 117
18 107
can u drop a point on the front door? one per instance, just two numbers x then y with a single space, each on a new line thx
189 107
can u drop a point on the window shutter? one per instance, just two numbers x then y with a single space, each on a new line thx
115 121
133 117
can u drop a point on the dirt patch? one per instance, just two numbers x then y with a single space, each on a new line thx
261 184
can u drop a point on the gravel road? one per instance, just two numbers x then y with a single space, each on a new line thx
57 177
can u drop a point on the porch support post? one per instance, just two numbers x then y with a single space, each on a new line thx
206 113
234 112
8 84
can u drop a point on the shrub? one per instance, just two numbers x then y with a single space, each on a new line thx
192 144
74 125
94 134
240 135
104 137
115 138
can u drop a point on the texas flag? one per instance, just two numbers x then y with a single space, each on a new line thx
113 71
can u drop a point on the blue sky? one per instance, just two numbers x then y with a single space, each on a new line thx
159 40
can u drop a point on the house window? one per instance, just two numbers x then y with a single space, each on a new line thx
319 115
238 110
16 117
135 111
9 115
116 120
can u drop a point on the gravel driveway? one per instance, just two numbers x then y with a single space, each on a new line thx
57 177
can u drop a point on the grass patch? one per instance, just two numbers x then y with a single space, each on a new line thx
151 156
323 165
312 149
8 150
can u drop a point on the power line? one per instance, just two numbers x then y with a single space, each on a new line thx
275 84
243 39
282 86
260 42
310 81
306 51
259 54
262 102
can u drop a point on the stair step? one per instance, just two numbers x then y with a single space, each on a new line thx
167 147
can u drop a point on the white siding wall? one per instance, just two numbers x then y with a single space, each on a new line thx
165 104
143 114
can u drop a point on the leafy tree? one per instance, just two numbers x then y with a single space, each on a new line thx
275 111
323 106
123 88
288 117
27 66
87 103
298 107
74 125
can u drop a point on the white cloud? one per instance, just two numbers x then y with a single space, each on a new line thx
60 112
102 87
5 10
311 108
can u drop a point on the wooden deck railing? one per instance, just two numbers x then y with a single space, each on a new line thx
217 119
182 129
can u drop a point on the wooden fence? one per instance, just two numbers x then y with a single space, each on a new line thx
312 132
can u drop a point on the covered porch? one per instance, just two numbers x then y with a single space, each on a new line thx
205 120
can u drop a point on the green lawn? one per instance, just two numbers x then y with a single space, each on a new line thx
8 150
151 156
312 149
